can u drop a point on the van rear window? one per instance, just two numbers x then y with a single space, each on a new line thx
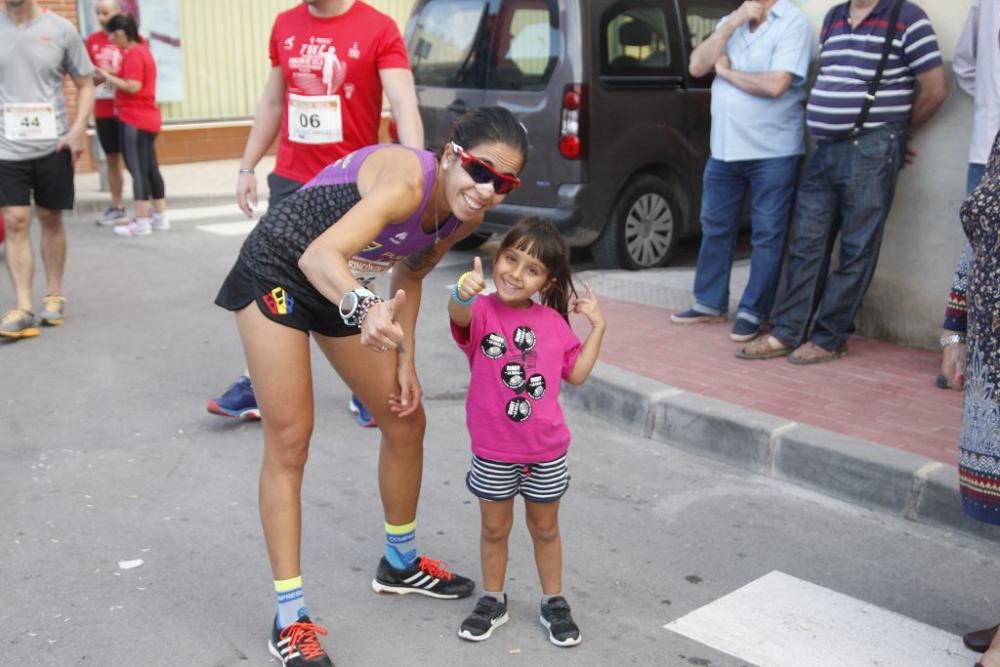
527 45
510 45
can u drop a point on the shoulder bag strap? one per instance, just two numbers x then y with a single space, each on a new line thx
890 34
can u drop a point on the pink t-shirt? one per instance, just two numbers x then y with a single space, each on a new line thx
518 357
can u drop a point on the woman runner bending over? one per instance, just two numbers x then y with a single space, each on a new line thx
304 271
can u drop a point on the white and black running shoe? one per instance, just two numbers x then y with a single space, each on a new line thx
427 577
488 615
558 621
297 645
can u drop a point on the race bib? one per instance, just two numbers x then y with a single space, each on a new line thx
29 122
105 91
314 119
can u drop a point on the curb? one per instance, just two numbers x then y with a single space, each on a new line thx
861 472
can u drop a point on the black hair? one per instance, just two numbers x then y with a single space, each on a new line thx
541 239
125 23
488 125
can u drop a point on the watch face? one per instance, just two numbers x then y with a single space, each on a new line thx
348 304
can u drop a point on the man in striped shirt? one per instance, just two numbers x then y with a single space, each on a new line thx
850 177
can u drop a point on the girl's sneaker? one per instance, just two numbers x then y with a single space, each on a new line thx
138 227
488 615
113 215
297 645
160 222
558 620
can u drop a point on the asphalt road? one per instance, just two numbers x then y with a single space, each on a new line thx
107 455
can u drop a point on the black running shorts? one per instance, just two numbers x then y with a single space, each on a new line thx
297 310
48 178
109 133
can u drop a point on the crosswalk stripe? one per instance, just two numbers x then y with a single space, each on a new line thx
781 621
240 228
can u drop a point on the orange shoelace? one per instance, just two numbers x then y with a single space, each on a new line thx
302 638
435 568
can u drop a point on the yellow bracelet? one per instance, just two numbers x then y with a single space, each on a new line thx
461 278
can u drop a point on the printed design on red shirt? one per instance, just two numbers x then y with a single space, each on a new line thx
317 70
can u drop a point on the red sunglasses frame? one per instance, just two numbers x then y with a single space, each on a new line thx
499 180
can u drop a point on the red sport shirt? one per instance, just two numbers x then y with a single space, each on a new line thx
106 55
331 71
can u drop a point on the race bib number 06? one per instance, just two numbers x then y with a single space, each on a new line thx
315 119
29 122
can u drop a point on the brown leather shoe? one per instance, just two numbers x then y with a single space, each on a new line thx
980 640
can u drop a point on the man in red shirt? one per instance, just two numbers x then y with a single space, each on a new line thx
331 61
107 56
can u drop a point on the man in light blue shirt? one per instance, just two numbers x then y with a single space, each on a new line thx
761 54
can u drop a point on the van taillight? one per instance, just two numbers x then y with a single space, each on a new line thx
570 134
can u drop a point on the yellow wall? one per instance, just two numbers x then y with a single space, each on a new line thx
224 44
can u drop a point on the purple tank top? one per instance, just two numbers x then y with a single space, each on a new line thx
397 240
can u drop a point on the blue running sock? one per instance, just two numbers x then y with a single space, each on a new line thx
291 601
401 545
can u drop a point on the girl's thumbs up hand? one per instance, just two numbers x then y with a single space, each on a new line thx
472 282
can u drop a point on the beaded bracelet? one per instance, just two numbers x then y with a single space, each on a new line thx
364 306
459 300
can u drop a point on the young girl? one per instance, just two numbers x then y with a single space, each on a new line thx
519 351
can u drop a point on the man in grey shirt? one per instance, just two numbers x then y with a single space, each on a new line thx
38 146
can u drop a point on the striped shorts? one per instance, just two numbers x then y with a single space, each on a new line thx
537 482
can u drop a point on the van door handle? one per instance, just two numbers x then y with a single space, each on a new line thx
457 107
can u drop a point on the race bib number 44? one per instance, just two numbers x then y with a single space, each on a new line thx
315 119
29 122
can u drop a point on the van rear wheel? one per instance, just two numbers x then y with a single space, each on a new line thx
644 227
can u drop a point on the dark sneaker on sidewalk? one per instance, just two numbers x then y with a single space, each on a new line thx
297 645
744 330
488 615
558 621
18 323
238 401
112 216
692 316
52 310
360 412
427 577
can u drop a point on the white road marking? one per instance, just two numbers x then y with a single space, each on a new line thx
204 212
240 228
781 621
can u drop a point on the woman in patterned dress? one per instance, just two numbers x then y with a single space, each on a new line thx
979 444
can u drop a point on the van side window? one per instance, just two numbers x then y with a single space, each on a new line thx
449 43
526 45
701 17
639 39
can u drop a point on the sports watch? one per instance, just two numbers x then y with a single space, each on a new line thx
353 303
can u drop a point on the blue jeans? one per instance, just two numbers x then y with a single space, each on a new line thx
847 187
772 192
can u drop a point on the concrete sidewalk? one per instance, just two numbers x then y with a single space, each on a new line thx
870 428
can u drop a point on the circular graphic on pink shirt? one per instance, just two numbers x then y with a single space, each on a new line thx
524 338
493 345
536 386
518 409
513 375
